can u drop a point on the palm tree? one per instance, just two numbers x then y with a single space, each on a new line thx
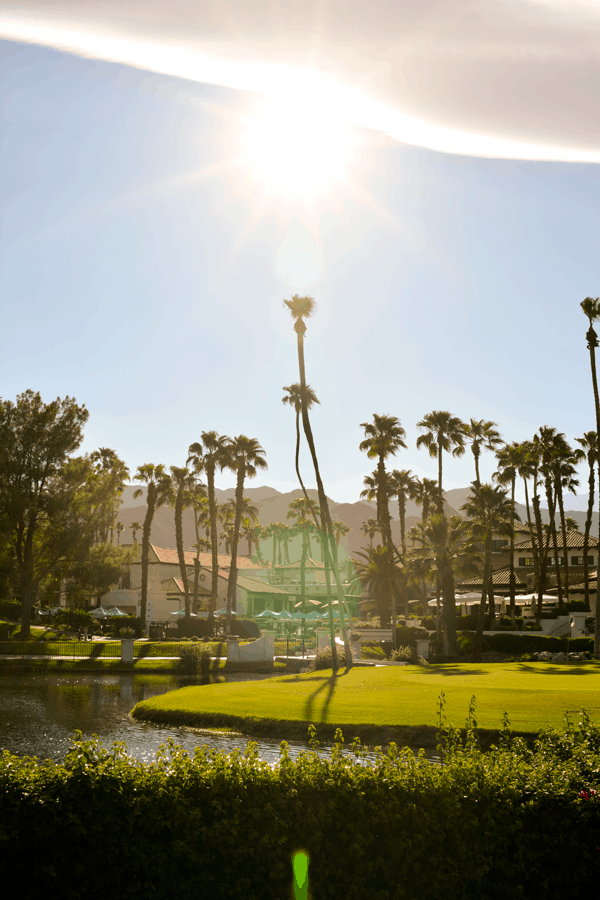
374 570
294 398
199 503
246 458
591 309
589 447
565 480
552 448
120 528
482 435
181 485
403 485
339 530
302 308
509 459
426 495
443 432
489 510
135 527
300 509
370 528
383 438
443 547
158 493
208 455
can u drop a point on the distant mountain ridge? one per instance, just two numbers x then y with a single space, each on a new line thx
273 506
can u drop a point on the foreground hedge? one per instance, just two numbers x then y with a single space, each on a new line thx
515 822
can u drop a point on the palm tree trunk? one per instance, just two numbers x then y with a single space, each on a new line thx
588 526
441 495
180 554
325 516
512 587
563 528
212 508
592 342
479 628
151 504
551 500
232 584
449 608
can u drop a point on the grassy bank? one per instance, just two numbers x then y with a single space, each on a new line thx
391 703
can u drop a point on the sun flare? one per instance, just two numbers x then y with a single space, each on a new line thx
294 151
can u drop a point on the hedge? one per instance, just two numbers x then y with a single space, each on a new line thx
11 609
533 643
509 823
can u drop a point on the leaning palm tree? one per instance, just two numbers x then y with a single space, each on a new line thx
444 548
302 308
246 457
482 435
489 510
383 438
443 433
158 493
208 455
589 447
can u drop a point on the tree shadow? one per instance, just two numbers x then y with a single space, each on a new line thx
329 685
448 670
559 669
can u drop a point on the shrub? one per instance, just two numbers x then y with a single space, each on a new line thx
11 609
590 625
126 632
428 622
518 644
403 654
190 658
577 606
75 619
407 636
323 659
372 650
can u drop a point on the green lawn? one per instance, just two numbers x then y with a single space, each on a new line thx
535 695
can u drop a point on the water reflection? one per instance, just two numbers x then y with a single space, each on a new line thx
39 713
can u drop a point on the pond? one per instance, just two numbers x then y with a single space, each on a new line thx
39 713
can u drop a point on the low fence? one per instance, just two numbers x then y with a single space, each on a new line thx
87 649
294 647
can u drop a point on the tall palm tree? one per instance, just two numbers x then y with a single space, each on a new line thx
443 547
303 308
565 480
552 447
294 398
158 486
246 457
508 459
589 447
443 432
208 455
384 436
339 530
482 435
489 510
370 528
181 486
591 308
135 527
198 500
403 486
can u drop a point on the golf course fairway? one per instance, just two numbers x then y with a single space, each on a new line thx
387 702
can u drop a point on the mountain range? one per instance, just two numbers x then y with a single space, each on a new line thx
273 506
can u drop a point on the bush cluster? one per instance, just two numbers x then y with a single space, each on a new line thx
533 643
323 659
193 658
482 826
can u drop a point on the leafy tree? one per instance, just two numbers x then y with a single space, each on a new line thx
158 492
38 488
208 455
443 433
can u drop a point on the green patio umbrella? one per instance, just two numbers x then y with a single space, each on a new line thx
266 613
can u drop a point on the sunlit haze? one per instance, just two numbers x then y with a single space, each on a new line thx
428 172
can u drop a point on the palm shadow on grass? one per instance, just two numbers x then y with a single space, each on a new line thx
448 670
328 685
559 669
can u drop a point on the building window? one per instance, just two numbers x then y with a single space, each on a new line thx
578 560
525 561
498 545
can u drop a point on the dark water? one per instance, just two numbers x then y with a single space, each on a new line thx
39 713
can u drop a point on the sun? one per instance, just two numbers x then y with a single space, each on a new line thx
295 150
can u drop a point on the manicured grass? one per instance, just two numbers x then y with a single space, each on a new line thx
535 696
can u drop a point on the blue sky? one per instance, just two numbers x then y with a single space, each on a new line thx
144 267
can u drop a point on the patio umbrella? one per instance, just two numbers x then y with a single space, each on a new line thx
223 612
99 613
284 614
181 612
266 613
115 611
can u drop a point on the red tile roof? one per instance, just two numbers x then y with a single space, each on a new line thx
170 557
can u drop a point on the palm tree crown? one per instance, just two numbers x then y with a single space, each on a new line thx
482 435
443 432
